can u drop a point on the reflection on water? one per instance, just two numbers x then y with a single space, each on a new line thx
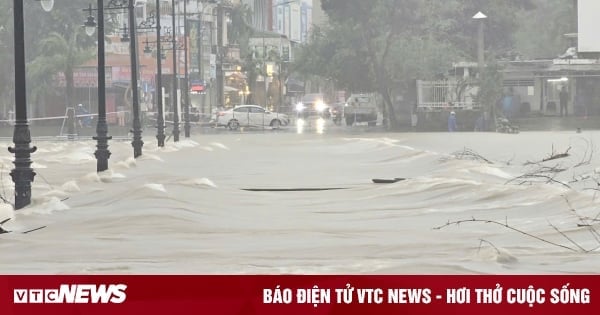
320 126
302 126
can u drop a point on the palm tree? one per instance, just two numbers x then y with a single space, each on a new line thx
240 30
7 64
62 53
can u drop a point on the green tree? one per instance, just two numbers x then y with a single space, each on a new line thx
241 29
368 31
490 88
6 51
540 32
61 55
384 45
66 17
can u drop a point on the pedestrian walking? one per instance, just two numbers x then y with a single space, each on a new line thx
452 127
414 118
564 101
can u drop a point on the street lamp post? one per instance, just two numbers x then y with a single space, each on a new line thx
153 22
22 175
159 55
480 43
174 103
201 51
137 142
160 122
200 44
187 126
102 153
220 52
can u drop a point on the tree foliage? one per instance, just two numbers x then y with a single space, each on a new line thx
6 51
375 45
385 45
541 31
241 29
490 87
64 20
62 55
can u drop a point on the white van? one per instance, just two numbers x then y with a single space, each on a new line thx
361 108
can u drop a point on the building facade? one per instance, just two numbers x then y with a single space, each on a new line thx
261 13
292 19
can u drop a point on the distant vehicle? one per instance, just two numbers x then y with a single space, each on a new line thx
194 114
312 105
361 108
337 112
250 116
504 126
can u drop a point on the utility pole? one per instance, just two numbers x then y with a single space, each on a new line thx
137 142
480 17
186 94
102 153
174 92
200 45
220 51
160 121
22 175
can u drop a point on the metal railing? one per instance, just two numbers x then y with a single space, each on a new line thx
437 106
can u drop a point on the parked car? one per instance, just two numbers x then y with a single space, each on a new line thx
250 116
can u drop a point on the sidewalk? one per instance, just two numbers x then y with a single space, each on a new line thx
553 123
54 131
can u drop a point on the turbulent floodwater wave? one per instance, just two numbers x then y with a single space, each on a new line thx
182 209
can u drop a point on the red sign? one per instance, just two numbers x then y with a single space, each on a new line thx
302 295
197 88
84 77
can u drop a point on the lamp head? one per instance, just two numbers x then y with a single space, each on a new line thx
125 35
90 26
147 50
479 16
47 5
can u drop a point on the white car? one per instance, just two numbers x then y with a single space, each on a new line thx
250 116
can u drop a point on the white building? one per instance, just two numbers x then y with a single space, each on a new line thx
261 13
588 38
319 17
292 18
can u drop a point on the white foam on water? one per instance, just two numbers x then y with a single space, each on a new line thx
70 186
203 182
170 200
156 187
45 206
219 145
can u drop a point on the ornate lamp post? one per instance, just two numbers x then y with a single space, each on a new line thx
160 121
47 5
153 22
200 44
159 56
137 142
176 130
101 137
220 53
22 175
102 153
187 126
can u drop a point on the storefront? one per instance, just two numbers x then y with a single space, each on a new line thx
580 77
